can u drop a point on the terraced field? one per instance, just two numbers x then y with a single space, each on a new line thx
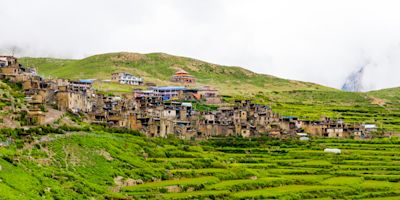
364 170
103 165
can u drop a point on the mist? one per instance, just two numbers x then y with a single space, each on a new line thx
311 40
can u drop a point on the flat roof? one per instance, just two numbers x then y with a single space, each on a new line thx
86 81
168 88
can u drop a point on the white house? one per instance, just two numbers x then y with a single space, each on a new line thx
125 78
370 127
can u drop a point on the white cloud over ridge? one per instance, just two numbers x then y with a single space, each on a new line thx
311 40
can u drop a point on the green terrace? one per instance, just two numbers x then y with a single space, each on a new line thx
85 163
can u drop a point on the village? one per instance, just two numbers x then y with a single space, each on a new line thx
162 110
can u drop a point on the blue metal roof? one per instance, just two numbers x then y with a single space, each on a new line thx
86 81
289 117
169 88
165 98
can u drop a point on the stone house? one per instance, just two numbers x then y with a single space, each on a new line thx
35 114
9 66
209 94
143 93
334 132
76 97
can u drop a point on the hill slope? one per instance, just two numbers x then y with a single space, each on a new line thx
159 67
12 102
306 100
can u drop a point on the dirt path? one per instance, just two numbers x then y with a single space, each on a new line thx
52 115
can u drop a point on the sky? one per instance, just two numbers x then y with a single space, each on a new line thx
320 41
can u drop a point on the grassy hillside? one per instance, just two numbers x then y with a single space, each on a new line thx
159 67
98 164
12 101
306 100
387 96
375 107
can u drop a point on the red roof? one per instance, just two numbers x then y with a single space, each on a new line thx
181 72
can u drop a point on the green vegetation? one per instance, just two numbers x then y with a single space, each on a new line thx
12 100
287 97
159 67
373 107
104 163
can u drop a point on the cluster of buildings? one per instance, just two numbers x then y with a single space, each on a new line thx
159 111
181 76
11 70
206 94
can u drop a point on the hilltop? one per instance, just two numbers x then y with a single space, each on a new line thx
287 97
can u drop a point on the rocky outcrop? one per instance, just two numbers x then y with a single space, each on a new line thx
354 81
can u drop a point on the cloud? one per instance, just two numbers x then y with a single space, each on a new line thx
311 40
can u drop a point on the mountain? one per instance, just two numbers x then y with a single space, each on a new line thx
354 81
287 97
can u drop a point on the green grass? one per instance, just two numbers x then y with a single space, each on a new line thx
179 182
159 67
11 102
349 181
376 185
295 191
84 165
197 194
241 183
289 98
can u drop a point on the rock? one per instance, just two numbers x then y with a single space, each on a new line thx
130 182
190 189
354 81
118 180
253 177
105 154
154 179
173 188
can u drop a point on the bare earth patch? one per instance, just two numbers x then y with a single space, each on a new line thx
128 57
52 115
378 101
105 154
121 182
